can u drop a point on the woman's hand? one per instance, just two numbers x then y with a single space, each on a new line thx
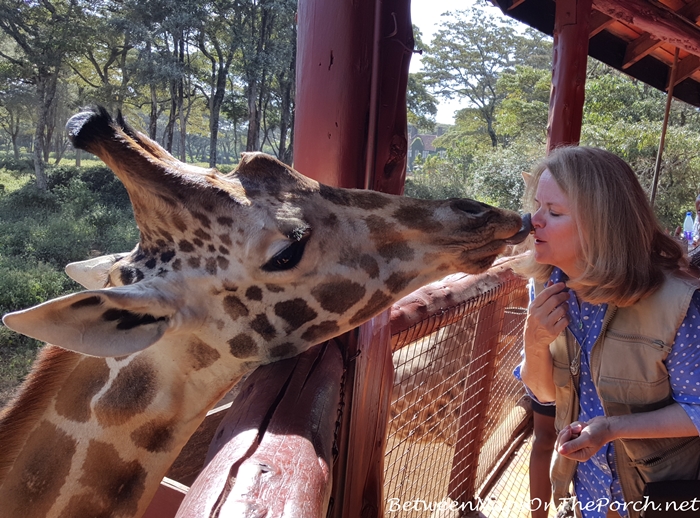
546 319
580 440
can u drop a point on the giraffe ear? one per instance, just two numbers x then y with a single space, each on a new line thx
92 274
527 178
107 322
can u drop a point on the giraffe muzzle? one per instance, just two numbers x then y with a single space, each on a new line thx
524 231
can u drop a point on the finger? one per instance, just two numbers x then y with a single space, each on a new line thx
548 292
553 302
558 312
563 437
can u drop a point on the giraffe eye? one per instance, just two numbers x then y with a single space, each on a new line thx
287 258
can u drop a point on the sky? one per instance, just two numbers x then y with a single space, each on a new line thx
426 15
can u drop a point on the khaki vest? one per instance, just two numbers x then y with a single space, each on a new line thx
629 374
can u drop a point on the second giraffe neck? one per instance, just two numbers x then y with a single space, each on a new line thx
107 433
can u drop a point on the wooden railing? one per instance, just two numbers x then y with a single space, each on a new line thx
418 404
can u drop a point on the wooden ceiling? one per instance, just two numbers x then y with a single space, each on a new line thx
637 37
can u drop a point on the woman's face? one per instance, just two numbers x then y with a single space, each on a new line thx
556 234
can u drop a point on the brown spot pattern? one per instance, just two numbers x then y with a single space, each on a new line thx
397 281
295 312
198 242
120 483
73 400
365 200
130 394
177 265
178 222
376 303
338 297
222 262
369 264
417 217
224 250
234 307
253 293
201 354
46 461
324 329
285 349
243 346
225 221
194 262
274 288
210 266
202 235
203 219
396 250
154 436
226 239
262 326
186 246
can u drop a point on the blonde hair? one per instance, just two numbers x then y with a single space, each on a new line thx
625 252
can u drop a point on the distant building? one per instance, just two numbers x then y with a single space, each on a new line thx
422 144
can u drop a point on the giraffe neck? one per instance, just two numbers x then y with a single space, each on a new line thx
94 437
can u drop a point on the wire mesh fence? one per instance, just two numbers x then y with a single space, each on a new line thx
455 403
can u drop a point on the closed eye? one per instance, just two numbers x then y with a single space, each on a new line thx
287 258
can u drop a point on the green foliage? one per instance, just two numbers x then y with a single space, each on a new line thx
468 56
85 212
493 176
523 113
17 352
25 283
422 106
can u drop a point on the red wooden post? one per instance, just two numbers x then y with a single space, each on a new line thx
569 61
350 131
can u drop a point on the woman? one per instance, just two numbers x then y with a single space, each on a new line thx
612 334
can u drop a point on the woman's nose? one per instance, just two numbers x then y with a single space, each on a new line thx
537 219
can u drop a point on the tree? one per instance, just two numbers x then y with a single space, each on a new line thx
466 57
16 102
522 114
44 34
422 105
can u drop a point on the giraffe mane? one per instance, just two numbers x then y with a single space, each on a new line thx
52 367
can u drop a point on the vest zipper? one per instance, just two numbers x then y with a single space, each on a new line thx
658 457
637 338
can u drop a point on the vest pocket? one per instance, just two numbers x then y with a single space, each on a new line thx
634 394
664 459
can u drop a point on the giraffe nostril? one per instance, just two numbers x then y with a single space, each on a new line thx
469 206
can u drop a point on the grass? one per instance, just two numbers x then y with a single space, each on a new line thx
85 212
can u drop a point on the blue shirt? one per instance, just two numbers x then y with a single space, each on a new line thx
596 479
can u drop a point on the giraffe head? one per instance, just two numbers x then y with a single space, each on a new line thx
253 266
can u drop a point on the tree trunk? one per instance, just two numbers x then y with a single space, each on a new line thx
153 118
46 92
181 102
253 118
217 100
15 147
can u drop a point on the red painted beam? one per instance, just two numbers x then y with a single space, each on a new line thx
656 19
